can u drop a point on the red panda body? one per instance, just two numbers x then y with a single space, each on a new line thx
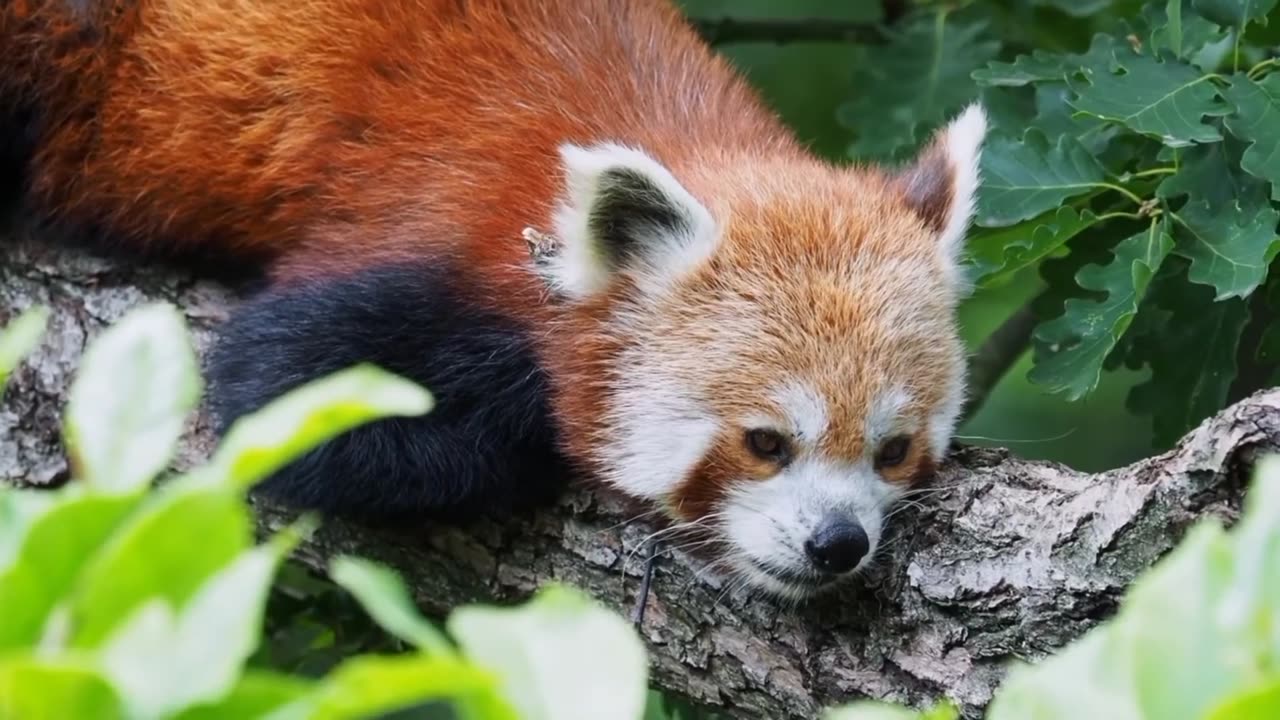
382 158
333 131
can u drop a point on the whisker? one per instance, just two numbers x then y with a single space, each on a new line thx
930 490
970 438
632 519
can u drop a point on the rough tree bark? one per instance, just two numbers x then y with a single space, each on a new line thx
1009 560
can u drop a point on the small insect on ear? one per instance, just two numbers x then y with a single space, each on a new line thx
622 210
941 184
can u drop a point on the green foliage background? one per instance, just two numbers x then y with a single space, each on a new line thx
1133 187
1062 142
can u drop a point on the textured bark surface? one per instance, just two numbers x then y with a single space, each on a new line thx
1008 560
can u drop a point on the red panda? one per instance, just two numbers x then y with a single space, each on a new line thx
759 343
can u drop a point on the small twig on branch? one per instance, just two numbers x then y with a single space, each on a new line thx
646 581
997 354
725 31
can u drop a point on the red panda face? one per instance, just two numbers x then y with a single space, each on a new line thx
782 355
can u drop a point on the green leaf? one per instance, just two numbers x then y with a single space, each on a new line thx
1257 120
914 82
1251 605
560 656
387 600
1211 173
256 695
1173 30
19 338
1165 100
1177 675
871 710
1088 679
166 551
1223 594
1192 358
1177 29
1042 66
1265 32
368 686
165 661
1234 13
1022 179
44 689
19 511
128 404
1229 250
1072 348
259 444
1008 113
1039 66
55 547
1262 703
996 255
1056 118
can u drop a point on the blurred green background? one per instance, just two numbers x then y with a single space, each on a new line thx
807 83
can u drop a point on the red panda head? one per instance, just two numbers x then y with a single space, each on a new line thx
766 347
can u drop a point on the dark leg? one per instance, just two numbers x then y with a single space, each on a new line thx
487 444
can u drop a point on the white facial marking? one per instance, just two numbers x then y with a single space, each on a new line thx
805 408
580 268
659 431
769 521
942 424
884 417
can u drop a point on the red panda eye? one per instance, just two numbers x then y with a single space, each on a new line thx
893 452
767 444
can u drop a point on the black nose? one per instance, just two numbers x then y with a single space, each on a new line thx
838 545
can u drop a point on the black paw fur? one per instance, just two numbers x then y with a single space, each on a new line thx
488 444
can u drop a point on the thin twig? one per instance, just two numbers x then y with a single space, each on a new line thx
642 602
1253 372
728 30
997 354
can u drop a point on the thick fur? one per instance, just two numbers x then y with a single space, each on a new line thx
489 441
382 159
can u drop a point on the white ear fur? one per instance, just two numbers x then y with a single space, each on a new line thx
942 183
622 210
964 136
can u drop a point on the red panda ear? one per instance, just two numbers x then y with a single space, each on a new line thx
942 182
623 211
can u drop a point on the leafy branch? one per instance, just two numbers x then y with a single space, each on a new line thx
1172 129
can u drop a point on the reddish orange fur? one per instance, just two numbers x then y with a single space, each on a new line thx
287 125
330 135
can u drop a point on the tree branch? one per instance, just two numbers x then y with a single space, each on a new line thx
728 30
1006 559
